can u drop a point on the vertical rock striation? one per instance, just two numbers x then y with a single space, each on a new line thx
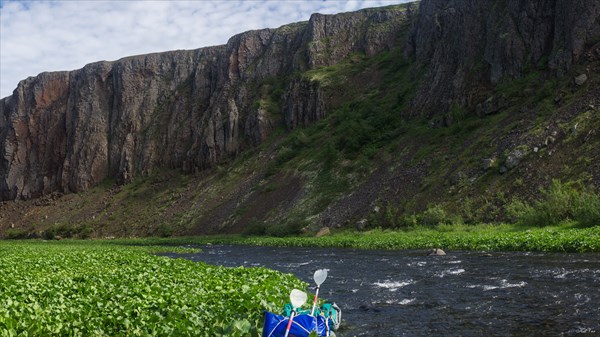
68 131
467 43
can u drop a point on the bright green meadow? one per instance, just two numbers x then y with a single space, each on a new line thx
566 237
455 237
100 289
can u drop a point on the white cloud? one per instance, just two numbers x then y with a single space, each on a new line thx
38 36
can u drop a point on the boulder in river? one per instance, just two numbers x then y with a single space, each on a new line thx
437 252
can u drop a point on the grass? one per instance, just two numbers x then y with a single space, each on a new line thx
91 288
566 237
559 203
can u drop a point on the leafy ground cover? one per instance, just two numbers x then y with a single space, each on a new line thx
97 289
563 238
547 240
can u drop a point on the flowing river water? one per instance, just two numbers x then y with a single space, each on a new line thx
465 293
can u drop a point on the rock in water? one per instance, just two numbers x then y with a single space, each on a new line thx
437 252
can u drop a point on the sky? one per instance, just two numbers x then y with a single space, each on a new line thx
47 35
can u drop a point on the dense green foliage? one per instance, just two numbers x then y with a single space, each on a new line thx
560 202
95 289
564 238
549 240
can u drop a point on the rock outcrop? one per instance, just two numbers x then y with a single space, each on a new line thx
68 131
468 44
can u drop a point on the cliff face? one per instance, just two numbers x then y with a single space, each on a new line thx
508 89
469 44
68 131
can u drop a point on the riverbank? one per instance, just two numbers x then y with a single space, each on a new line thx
564 238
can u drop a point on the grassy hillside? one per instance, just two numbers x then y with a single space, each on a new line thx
368 163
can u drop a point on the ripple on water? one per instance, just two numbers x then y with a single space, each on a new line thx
503 285
296 265
456 271
404 301
217 252
407 301
567 274
393 285
557 273
581 330
581 299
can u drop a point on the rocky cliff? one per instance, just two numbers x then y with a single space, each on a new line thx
68 131
470 45
410 100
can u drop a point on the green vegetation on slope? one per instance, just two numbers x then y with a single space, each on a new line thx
368 130
490 161
502 237
94 289
561 203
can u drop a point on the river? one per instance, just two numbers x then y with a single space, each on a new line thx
465 293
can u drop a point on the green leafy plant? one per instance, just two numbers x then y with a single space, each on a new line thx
16 233
587 209
70 288
435 215
559 203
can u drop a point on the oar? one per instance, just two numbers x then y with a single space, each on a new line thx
320 276
298 298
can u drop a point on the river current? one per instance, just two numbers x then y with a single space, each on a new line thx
407 293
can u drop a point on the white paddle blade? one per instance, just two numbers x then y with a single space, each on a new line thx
298 298
320 276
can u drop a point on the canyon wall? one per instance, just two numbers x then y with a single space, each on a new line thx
68 131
